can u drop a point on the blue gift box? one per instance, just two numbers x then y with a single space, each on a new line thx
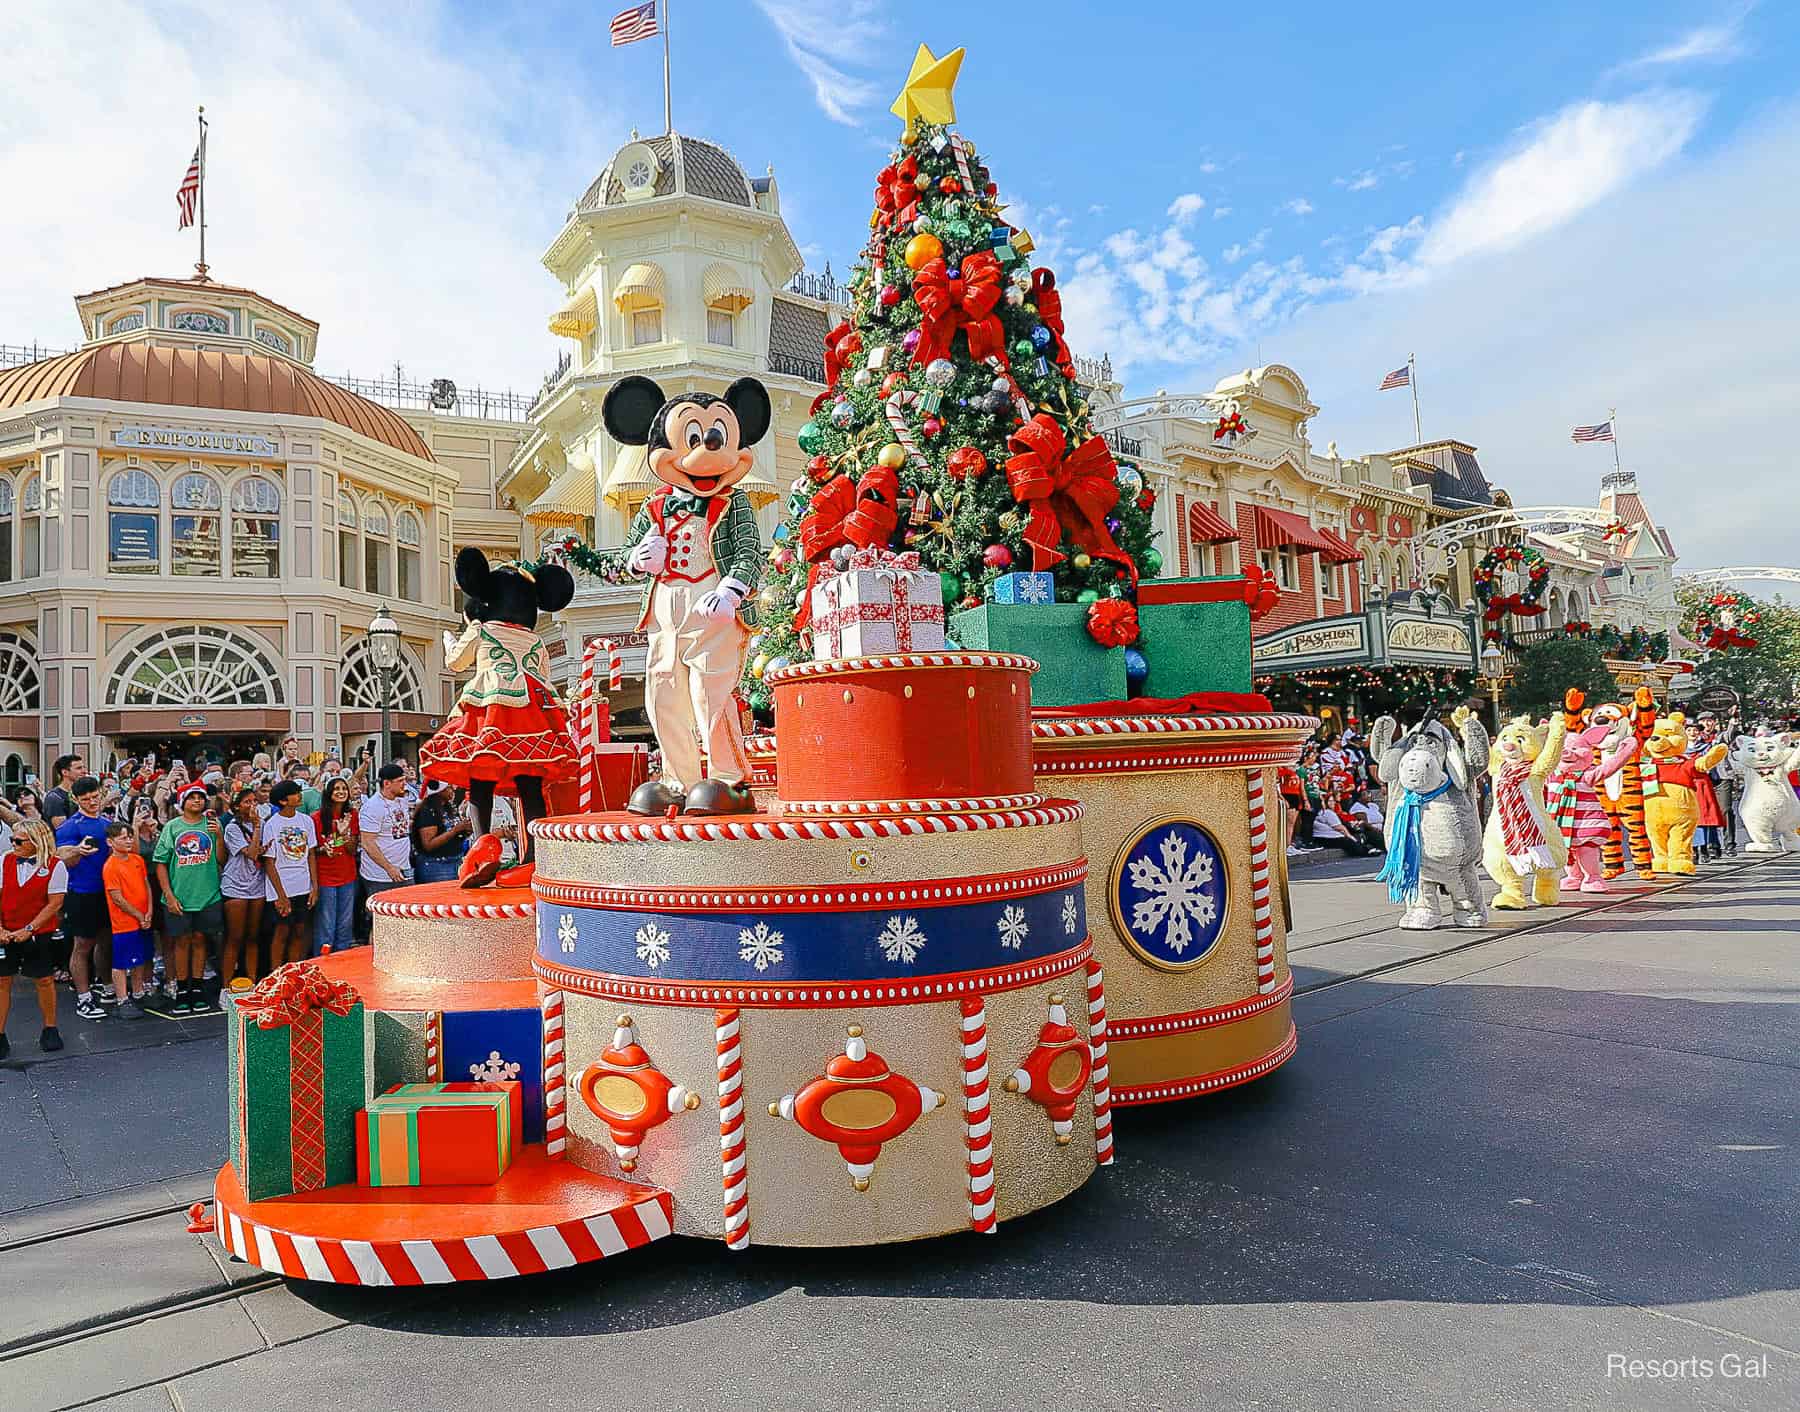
1033 588
484 1044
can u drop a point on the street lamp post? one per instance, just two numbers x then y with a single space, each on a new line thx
1493 672
384 650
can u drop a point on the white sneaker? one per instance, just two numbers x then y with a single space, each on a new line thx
1293 851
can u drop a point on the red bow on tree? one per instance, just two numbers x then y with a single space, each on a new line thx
284 995
896 197
1049 307
843 511
1260 590
840 344
947 304
1066 494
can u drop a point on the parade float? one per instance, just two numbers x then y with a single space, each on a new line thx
882 971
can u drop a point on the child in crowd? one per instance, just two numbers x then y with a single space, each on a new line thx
290 865
127 884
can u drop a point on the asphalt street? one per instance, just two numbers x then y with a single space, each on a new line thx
1555 1166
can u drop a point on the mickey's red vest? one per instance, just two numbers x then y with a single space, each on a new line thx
20 902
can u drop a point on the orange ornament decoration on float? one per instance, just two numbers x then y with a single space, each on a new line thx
859 1104
628 1093
1055 1072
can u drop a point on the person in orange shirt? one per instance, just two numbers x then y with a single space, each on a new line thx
127 884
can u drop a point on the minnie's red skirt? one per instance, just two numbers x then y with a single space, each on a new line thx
501 743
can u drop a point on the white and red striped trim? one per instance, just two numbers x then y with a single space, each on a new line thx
556 1117
1259 884
850 666
1061 811
1124 759
940 891
1210 1083
446 1261
1147 1026
1100 1077
819 996
382 906
852 808
434 1046
1057 728
978 1117
733 1162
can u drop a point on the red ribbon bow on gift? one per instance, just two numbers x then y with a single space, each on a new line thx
284 995
896 197
1050 315
1071 493
1260 590
840 344
967 303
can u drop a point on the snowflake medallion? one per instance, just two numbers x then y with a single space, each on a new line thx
1071 915
493 1069
1033 589
652 945
1169 891
901 939
1013 928
565 932
759 946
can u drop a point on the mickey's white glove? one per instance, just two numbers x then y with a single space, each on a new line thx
723 602
650 556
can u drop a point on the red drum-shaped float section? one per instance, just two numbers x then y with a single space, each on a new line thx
1054 1074
858 1104
628 1093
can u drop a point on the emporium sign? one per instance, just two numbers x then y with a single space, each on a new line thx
187 439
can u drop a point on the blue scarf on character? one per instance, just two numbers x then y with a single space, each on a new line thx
1401 871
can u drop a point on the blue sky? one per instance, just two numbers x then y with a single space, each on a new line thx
1558 209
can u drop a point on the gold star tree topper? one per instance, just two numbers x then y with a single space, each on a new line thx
926 94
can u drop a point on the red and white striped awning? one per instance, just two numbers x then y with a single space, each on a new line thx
1275 528
1207 527
1340 551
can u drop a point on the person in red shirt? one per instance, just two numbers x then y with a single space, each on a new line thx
33 883
337 859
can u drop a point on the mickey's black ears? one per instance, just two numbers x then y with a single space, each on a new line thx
472 573
630 409
749 401
555 587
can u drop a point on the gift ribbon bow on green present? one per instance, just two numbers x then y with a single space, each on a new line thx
284 995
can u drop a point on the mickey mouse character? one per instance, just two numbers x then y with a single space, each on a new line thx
510 733
697 541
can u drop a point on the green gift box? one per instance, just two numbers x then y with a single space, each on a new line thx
296 1071
1195 635
1073 669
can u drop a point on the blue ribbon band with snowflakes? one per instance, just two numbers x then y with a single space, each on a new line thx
881 942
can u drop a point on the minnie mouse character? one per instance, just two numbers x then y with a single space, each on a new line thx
510 733
697 542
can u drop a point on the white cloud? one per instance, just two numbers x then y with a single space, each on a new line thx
1457 160
1560 167
396 188
1220 212
1715 43
1186 206
1239 249
826 39
1299 206
1361 181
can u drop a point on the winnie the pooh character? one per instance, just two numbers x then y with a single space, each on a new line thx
1520 843
1673 809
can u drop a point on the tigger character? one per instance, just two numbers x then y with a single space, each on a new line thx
1672 811
1623 795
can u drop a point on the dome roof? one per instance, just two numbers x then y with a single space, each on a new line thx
189 377
685 166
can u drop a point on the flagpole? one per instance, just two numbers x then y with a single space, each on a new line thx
1612 415
200 269
1412 378
668 110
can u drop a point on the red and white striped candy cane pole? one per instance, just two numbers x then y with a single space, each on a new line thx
736 1178
978 1118
615 665
895 407
555 1088
578 724
434 1046
1101 1077
1259 885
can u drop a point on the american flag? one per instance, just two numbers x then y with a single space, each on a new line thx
1599 432
189 190
639 22
1400 377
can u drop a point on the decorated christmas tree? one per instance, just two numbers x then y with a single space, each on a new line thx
952 425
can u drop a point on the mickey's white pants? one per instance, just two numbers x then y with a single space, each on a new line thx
691 669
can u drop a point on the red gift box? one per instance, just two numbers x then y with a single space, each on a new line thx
439 1134
1212 590
619 768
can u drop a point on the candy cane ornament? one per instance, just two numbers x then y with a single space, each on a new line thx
580 727
1103 1135
978 1122
1260 905
733 1163
895 407
960 149
555 1085
434 1046
615 665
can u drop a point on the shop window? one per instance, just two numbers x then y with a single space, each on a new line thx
270 339
31 530
1284 564
378 554
125 323
408 534
347 525
133 523
195 526
721 328
199 321
646 327
256 529
7 505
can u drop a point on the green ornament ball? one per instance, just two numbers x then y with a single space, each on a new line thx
1023 351
952 585
1152 562
1088 595
811 438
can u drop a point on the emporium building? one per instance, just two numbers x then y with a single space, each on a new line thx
196 530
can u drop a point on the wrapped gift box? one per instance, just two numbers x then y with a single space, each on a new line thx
296 1057
448 1134
1073 669
1195 635
883 602
489 1045
1035 588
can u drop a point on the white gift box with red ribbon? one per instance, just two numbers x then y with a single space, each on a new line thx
882 602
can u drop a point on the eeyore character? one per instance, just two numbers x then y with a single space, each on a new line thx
1433 826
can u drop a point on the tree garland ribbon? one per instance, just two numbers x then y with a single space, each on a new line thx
1064 493
966 302
840 345
1048 302
897 194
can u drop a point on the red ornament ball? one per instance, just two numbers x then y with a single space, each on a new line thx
997 556
931 426
1146 499
888 297
819 468
971 602
992 189
892 381
966 463
949 185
